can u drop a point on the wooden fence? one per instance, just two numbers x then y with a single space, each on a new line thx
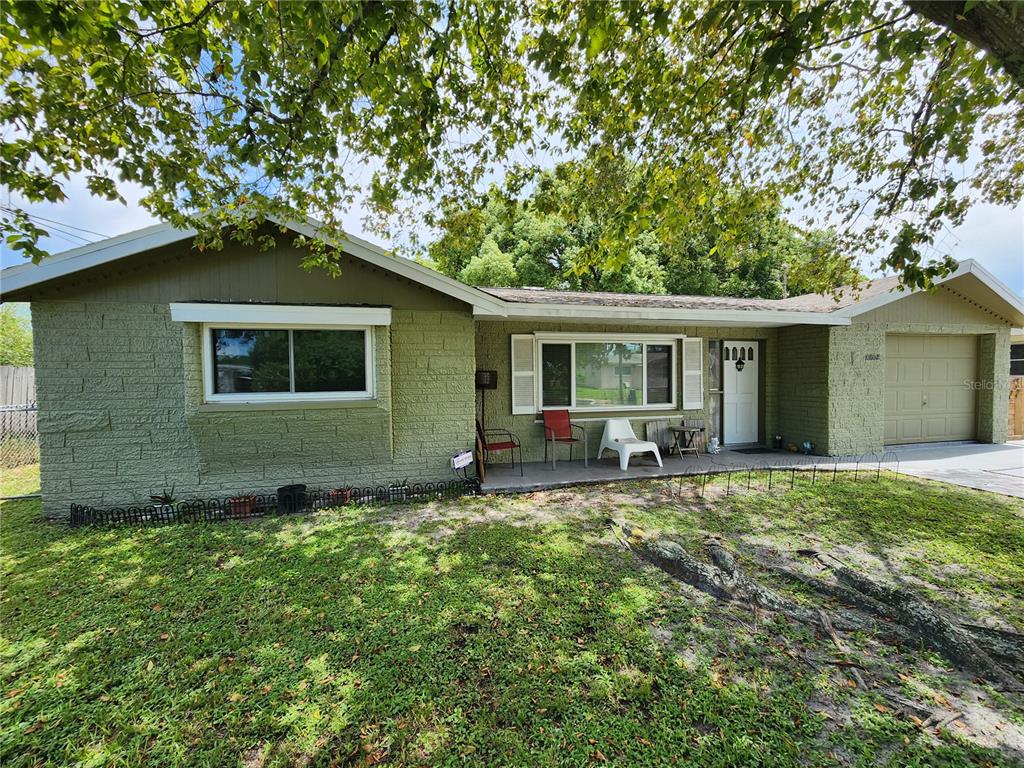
18 436
1016 407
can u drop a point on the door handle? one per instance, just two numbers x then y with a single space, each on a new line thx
924 399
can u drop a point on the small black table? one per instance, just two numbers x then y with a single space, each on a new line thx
688 435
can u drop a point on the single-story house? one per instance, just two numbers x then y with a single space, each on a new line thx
159 366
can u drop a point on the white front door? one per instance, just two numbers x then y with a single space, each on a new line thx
739 368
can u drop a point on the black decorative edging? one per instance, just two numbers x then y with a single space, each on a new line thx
258 505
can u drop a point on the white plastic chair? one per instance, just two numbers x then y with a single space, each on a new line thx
619 437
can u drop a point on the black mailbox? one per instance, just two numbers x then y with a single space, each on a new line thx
486 379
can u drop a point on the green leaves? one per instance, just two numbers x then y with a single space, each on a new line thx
281 108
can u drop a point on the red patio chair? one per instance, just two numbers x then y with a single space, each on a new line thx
510 443
558 429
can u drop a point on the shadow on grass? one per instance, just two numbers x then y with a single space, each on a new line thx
335 639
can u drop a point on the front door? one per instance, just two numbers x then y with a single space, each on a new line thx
739 369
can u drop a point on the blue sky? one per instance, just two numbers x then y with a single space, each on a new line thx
992 235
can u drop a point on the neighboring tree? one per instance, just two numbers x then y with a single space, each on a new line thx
15 337
547 239
886 120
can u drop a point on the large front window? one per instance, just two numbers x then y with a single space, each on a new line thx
607 375
260 364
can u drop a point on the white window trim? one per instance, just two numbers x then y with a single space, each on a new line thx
210 396
589 338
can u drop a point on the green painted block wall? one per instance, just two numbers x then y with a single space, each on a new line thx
121 413
856 381
802 384
493 351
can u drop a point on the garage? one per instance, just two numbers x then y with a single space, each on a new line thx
930 392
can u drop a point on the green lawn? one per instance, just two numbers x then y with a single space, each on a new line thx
488 631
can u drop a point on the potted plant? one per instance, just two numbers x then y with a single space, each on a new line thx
243 505
339 496
163 503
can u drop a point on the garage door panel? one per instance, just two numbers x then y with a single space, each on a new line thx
936 398
928 396
962 426
911 371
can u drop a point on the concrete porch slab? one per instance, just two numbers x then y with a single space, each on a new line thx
995 468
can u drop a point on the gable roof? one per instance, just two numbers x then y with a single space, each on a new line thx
115 248
970 281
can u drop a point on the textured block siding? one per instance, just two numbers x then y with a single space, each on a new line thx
121 415
994 386
493 351
856 389
856 386
802 381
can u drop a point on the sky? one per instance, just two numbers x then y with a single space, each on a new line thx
992 235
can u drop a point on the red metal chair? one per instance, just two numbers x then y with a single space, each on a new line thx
510 443
558 429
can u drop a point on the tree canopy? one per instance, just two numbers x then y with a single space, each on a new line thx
15 337
885 120
546 238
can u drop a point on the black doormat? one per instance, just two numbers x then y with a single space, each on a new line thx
753 450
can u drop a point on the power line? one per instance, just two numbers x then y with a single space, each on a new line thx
60 224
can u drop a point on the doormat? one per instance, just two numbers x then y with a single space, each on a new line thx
754 450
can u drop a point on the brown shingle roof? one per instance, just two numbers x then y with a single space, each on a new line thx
807 303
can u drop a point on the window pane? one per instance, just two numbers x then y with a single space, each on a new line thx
1017 351
556 374
609 374
714 365
659 374
250 361
330 361
1017 367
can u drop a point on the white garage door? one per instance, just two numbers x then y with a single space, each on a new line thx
928 392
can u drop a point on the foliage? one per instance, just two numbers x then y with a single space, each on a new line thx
549 235
886 120
349 637
15 336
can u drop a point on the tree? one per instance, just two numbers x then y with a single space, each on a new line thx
885 120
15 337
547 236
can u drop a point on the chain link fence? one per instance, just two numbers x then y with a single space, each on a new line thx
19 438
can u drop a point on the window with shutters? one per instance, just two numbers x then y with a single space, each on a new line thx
589 373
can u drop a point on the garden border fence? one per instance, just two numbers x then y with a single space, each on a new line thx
821 469
241 507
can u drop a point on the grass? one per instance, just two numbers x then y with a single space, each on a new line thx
490 631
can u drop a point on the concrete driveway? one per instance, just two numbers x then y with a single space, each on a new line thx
996 468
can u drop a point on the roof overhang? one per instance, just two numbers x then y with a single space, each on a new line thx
738 318
971 281
113 249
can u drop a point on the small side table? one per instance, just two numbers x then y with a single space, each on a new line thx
683 440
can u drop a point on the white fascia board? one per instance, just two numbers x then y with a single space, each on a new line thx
997 286
289 315
759 318
92 255
965 267
481 302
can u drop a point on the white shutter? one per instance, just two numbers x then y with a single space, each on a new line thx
524 374
693 374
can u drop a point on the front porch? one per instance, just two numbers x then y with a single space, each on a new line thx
537 475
